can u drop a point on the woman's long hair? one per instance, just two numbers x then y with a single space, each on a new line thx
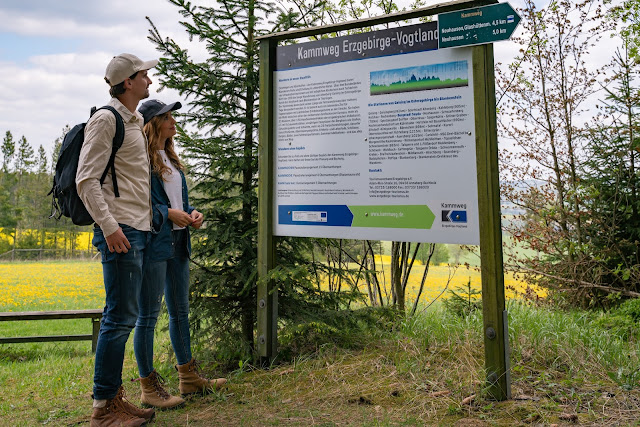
152 130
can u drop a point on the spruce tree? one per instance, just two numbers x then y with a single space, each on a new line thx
41 161
219 140
8 151
25 157
612 183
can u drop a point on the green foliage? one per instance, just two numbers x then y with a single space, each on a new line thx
307 337
8 151
623 320
348 329
612 184
42 161
57 144
24 160
562 360
628 13
627 379
9 209
440 254
465 301
25 206
618 324
577 184
223 91
630 309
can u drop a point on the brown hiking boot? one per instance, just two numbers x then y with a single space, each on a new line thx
113 414
192 382
153 394
146 414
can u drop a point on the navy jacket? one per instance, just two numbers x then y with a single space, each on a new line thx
161 246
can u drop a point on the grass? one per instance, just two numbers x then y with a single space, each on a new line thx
565 369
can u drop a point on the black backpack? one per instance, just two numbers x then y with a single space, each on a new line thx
65 200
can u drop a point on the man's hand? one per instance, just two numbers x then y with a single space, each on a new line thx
118 242
197 218
179 217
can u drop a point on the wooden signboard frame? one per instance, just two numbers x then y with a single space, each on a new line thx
496 341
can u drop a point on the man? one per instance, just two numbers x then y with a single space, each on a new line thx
121 230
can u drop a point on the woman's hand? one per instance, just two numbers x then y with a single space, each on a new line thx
180 217
197 218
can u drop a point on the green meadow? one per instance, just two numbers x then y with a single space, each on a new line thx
566 367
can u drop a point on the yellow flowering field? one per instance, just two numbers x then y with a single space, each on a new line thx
441 275
82 239
54 285
59 285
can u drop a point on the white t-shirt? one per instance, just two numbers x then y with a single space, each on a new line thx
172 185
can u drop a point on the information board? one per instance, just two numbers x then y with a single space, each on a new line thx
374 139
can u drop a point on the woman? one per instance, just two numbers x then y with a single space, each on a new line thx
167 264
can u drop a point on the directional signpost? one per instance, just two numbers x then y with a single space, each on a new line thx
479 25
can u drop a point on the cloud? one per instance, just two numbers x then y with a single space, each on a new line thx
52 67
70 62
81 18
33 25
38 102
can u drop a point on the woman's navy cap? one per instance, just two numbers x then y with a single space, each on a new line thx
153 108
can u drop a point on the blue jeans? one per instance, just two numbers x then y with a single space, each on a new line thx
122 283
170 277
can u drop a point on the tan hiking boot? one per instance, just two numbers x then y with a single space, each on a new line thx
146 414
192 382
153 394
113 414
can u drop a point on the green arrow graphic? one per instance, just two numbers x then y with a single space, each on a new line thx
397 216
478 25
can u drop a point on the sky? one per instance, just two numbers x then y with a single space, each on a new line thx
53 54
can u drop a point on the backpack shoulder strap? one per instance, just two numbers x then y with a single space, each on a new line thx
118 139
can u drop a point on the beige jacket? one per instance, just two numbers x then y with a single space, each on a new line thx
133 207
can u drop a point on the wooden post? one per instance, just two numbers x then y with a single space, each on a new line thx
95 331
496 333
267 293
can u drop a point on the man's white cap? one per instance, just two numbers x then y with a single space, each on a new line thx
124 66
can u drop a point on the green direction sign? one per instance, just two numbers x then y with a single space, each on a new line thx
392 216
478 25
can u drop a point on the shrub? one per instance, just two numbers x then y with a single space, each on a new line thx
463 302
622 320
